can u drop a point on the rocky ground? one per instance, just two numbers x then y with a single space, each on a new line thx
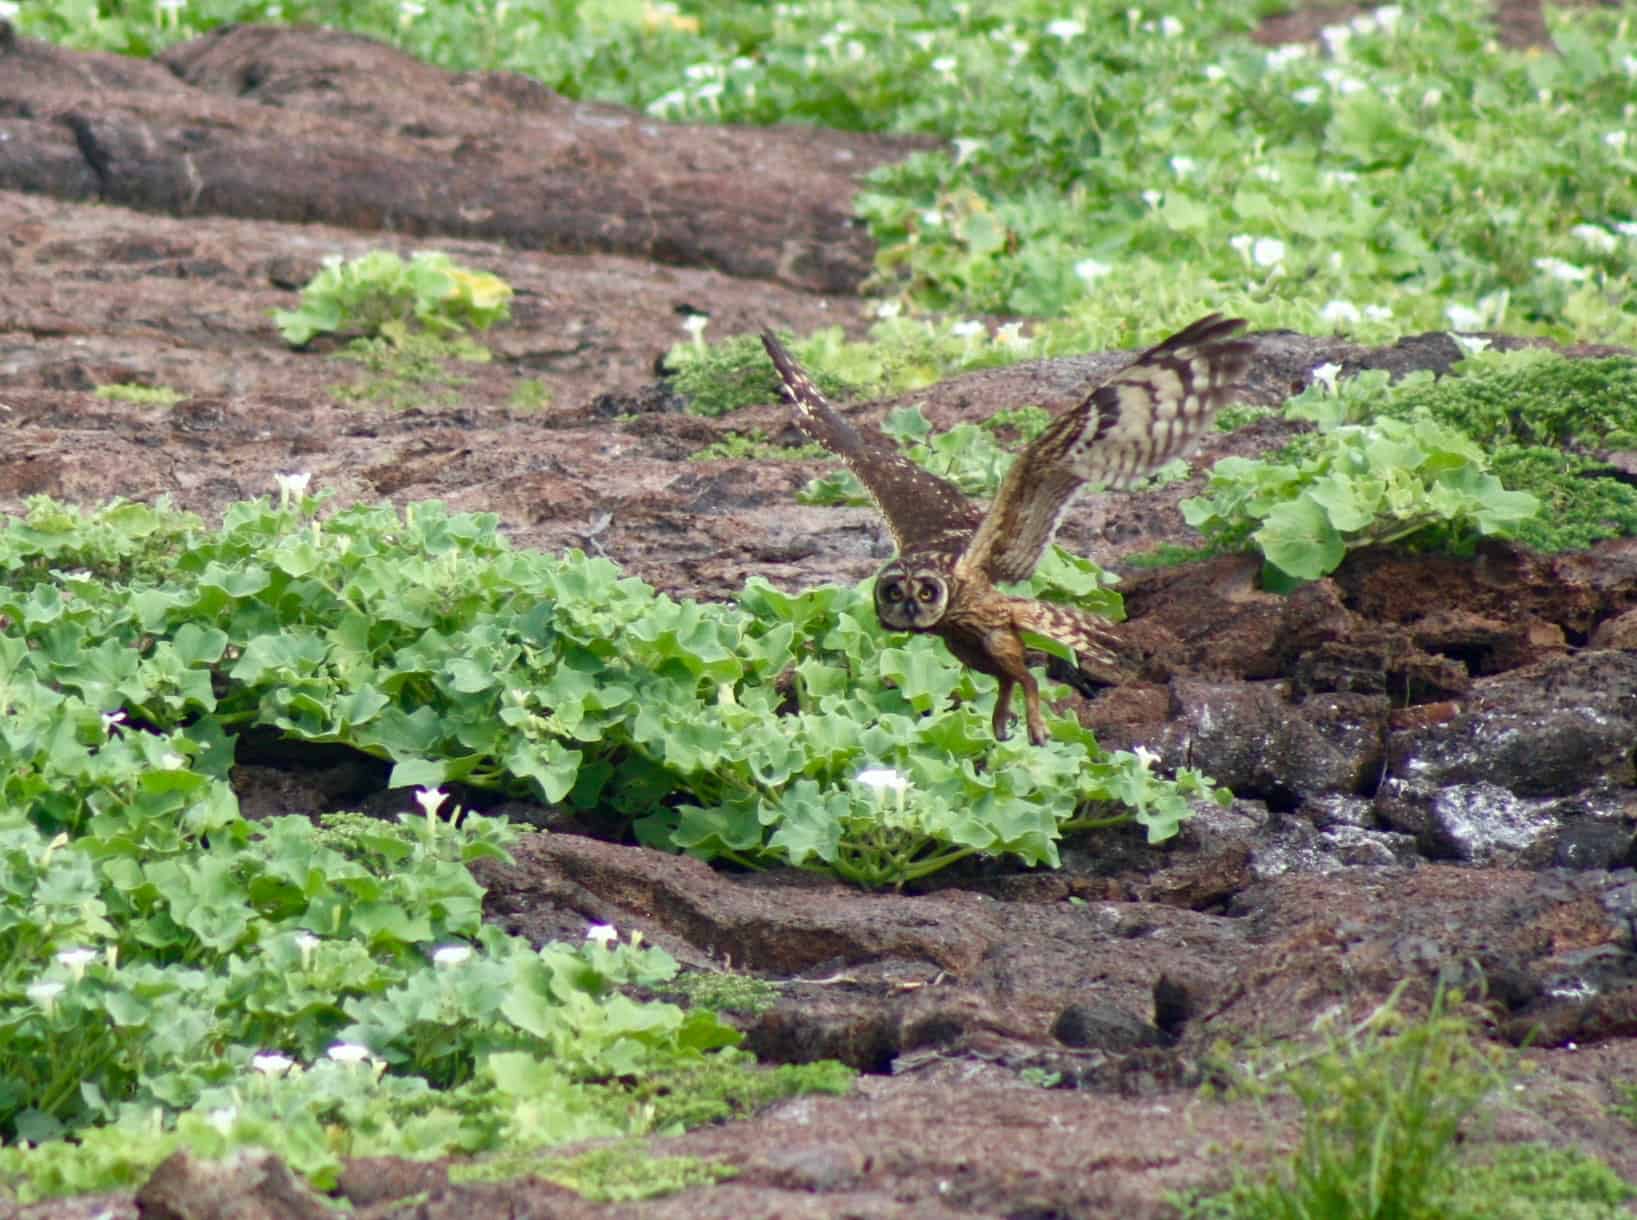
1434 757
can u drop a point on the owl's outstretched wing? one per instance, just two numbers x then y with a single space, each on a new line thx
1148 413
921 509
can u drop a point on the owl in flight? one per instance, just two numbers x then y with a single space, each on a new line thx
951 555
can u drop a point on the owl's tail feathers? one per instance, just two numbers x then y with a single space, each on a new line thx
1105 657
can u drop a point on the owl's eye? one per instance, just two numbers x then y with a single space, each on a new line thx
928 593
893 592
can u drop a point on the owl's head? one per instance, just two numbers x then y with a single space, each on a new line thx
911 595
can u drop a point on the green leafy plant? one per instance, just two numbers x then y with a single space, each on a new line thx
408 370
422 639
1357 485
378 294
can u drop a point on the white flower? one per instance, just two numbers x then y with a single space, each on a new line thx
605 934
1183 166
1629 63
1307 96
77 960
1242 243
1349 84
349 1052
1146 756
883 779
945 64
1011 334
666 102
695 324
1464 317
1560 270
1596 236
1364 23
1267 173
1090 270
1339 312
408 10
1377 313
44 994
1170 27
1336 38
1215 72
223 1118
431 800
932 218
968 329
1470 345
1268 252
1325 374
170 760
1432 97
701 71
1626 228
1289 53
1152 198
271 1063
110 720
965 148
1615 139
1388 16
451 955
292 486
888 309
923 39
9 10
1065 29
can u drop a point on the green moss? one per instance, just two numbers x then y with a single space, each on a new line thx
1581 500
723 992
753 446
620 1173
143 395
1533 398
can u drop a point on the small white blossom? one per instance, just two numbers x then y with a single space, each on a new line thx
1011 334
172 761
271 1063
431 800
1560 270
886 310
1215 72
1626 228
932 218
1065 29
1325 374
665 103
1388 16
1615 139
1289 53
45 994
77 960
923 39
1170 26
695 324
1350 84
1266 172
9 10
702 71
1183 166
1152 198
1364 23
883 779
1335 39
1090 270
1268 252
1596 236
1471 345
1339 312
945 65
968 329
349 1052
1146 756
1377 313
224 1118
292 486
451 955
1307 96
1464 317
965 148
1431 98
111 720
1629 64
604 934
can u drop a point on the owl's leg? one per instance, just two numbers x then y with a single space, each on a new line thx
1003 657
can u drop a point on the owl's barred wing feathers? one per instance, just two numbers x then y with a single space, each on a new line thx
1150 412
921 509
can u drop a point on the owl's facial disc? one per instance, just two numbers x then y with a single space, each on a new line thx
910 599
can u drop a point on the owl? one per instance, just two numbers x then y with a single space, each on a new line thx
951 554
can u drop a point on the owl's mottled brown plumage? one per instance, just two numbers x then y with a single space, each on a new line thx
951 554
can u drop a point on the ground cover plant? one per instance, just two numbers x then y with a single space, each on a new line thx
1112 163
1386 1108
